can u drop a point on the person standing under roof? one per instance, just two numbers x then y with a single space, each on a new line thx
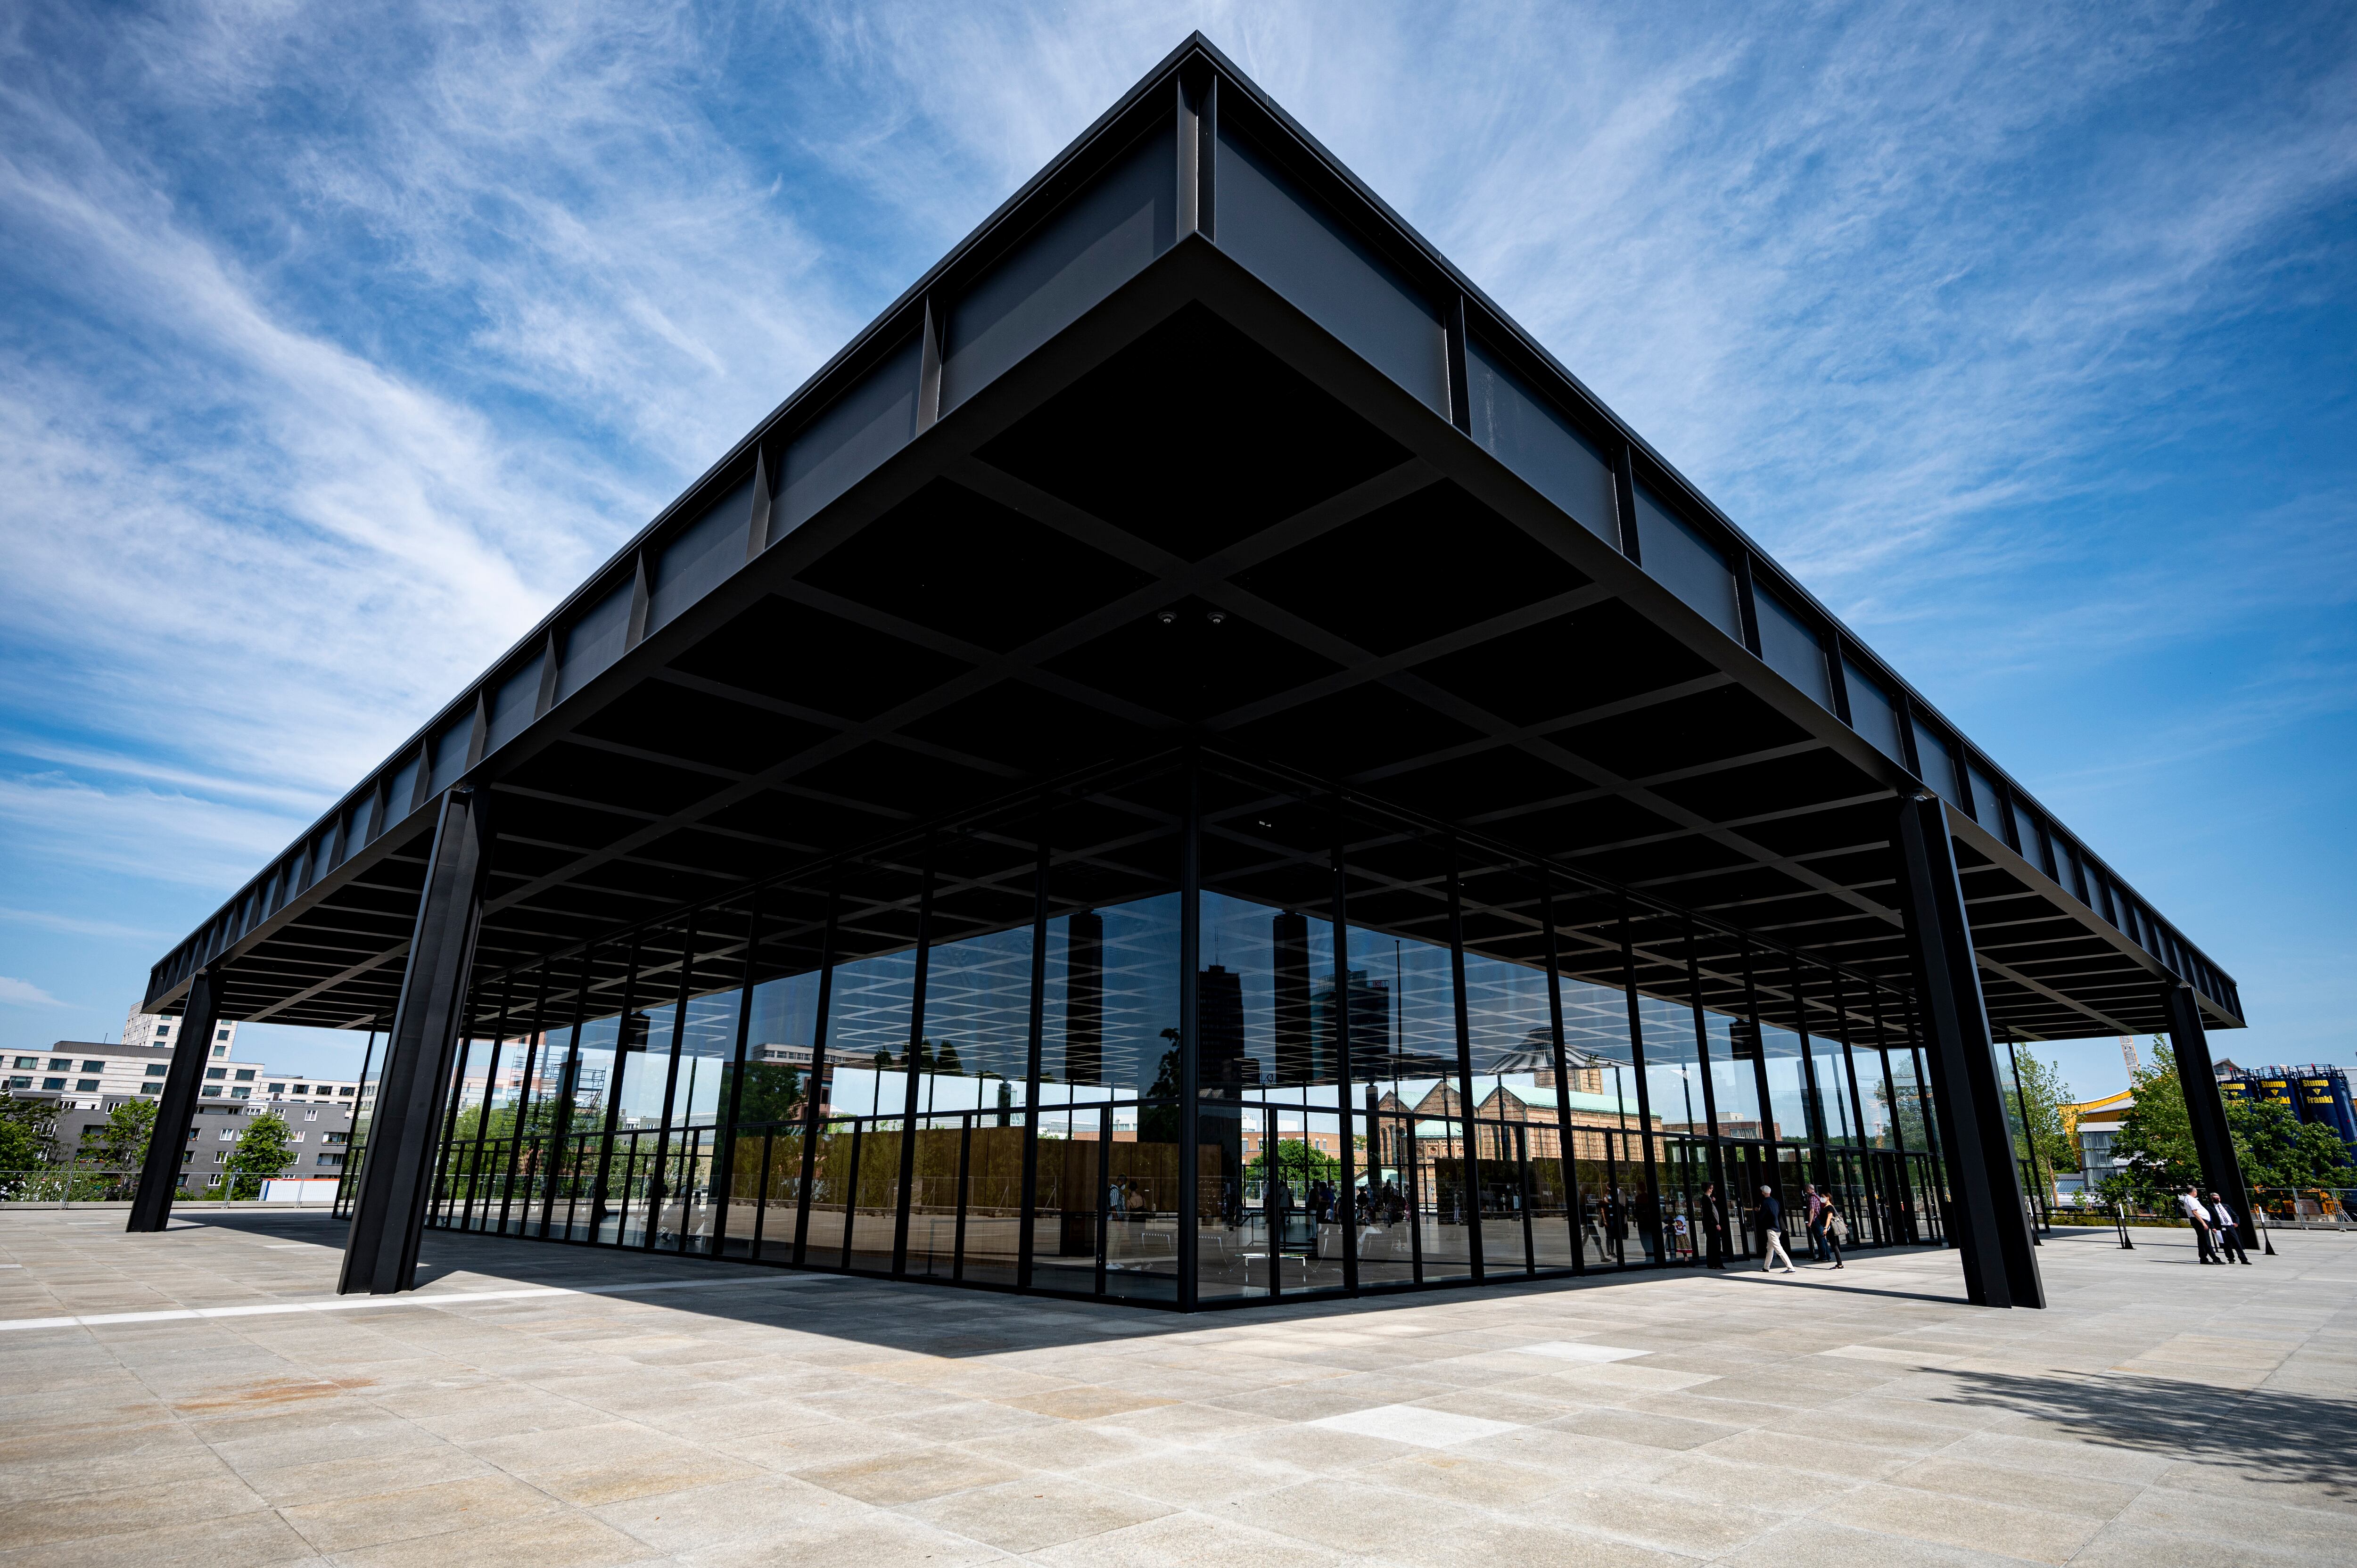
1771 1233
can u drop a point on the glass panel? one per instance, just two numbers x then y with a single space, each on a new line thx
701 556
1095 242
1681 560
1407 1061
1307 255
1269 1121
1606 1122
1788 646
1522 430
1871 713
977 1040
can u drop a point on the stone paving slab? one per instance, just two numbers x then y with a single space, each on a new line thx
200 1396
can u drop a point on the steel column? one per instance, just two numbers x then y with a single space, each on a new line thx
2205 1109
381 1254
1992 1231
159 1172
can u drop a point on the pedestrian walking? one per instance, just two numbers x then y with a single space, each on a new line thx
1814 1209
1835 1225
2230 1232
1771 1233
1714 1224
2190 1201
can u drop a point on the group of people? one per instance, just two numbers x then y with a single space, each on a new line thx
1827 1228
2216 1232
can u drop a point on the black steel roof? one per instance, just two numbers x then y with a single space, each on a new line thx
1195 440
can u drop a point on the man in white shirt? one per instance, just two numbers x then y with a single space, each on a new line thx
2230 1232
2191 1202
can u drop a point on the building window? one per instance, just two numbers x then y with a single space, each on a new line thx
335 1137
28 1062
53 1083
245 1075
221 1050
216 1072
20 1083
239 1093
213 1180
157 1070
339 1159
281 1089
222 1158
151 1089
62 1064
347 1089
294 1137
89 1085
223 1034
212 1089
93 1067
313 1113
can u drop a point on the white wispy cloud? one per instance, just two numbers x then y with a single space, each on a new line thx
24 994
343 342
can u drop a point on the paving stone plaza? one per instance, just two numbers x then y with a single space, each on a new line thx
201 1396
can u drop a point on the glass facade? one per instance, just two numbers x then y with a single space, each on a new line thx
976 1057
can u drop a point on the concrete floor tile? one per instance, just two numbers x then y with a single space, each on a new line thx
292 1485
1198 1479
569 1537
1947 1520
1186 1541
232 1541
895 1479
1965 1477
348 1523
1037 1512
1642 1426
39 1522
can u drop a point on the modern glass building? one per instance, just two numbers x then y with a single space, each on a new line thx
1192 763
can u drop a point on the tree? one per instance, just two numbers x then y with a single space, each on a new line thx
27 1132
772 1093
2276 1151
1298 1162
264 1151
2156 1139
120 1142
2045 1094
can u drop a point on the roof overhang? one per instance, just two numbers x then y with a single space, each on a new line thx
1407 606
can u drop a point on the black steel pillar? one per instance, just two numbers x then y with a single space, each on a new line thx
2205 1107
396 1176
159 1174
1992 1230
1191 1040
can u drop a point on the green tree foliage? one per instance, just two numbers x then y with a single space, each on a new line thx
773 1092
120 1142
27 1132
2276 1151
2044 1093
264 1151
1298 1163
2155 1140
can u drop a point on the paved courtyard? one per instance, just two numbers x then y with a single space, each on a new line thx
181 1398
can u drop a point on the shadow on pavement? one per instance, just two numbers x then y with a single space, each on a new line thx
2269 1434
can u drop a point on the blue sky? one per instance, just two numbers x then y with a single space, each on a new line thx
341 341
